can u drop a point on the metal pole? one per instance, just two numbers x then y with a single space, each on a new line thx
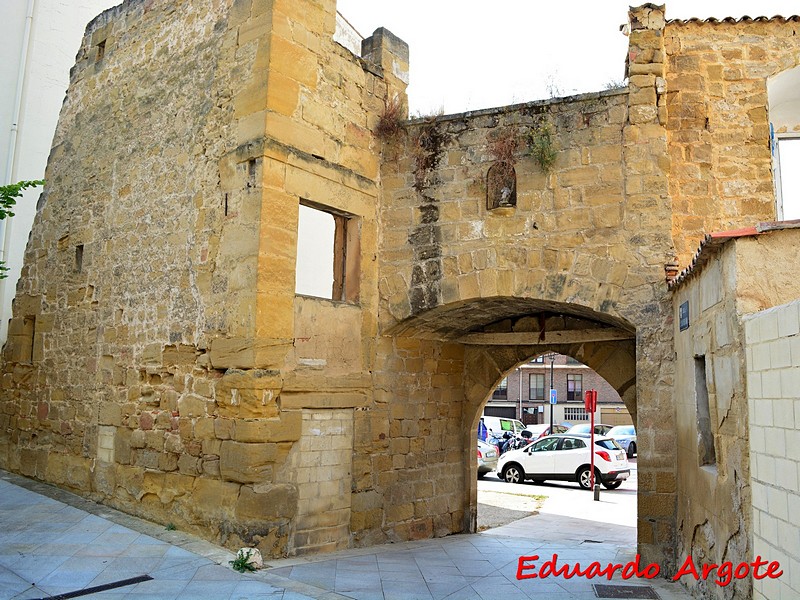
519 373
552 358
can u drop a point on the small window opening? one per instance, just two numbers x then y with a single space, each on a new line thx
226 205
705 437
79 258
251 172
501 391
328 254
101 50
27 338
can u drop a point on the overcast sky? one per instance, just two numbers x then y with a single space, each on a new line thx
469 54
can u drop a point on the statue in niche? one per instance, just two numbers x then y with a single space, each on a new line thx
501 186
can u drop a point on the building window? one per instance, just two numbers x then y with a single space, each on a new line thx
536 387
539 360
575 414
501 391
705 437
787 177
328 254
573 361
574 388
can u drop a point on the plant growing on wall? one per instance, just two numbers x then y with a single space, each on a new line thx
540 141
502 146
390 121
501 179
8 198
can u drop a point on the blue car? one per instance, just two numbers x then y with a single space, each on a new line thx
625 436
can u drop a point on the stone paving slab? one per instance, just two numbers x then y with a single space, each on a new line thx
52 542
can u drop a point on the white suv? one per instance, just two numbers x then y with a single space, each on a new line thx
566 457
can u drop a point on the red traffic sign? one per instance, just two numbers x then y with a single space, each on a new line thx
590 401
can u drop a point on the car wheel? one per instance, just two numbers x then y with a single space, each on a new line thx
631 450
481 474
584 478
612 485
513 474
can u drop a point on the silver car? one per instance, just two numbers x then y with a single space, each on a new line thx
487 458
625 436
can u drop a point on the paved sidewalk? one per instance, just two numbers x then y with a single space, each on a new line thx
52 543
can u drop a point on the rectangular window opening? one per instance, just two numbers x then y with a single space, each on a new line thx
27 339
101 50
501 391
574 388
79 258
536 387
705 437
787 178
251 172
328 254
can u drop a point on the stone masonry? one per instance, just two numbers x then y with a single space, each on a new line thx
160 361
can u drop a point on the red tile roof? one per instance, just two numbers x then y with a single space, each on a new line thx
714 241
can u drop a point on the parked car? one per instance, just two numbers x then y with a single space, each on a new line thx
499 425
566 458
599 428
625 436
487 458
543 429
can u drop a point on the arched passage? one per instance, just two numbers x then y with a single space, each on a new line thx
488 338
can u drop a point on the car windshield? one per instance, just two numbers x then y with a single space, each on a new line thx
608 444
621 430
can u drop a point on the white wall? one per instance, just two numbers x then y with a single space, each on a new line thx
56 31
773 384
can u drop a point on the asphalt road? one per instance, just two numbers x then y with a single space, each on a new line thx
500 503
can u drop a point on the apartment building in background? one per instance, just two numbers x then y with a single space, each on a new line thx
525 393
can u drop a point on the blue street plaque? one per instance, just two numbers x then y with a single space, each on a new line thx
553 397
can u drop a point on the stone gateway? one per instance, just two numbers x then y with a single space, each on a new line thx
162 361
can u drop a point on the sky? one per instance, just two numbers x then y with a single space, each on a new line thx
472 54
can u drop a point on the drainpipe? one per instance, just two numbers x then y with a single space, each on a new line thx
12 142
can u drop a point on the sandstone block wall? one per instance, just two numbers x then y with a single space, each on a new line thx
718 123
159 359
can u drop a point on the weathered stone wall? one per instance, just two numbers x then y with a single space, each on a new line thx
718 499
159 359
587 239
716 98
714 499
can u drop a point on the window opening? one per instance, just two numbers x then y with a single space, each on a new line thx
328 254
501 392
79 258
27 339
536 386
787 177
574 388
705 437
575 414
101 50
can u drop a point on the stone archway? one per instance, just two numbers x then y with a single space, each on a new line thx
441 366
